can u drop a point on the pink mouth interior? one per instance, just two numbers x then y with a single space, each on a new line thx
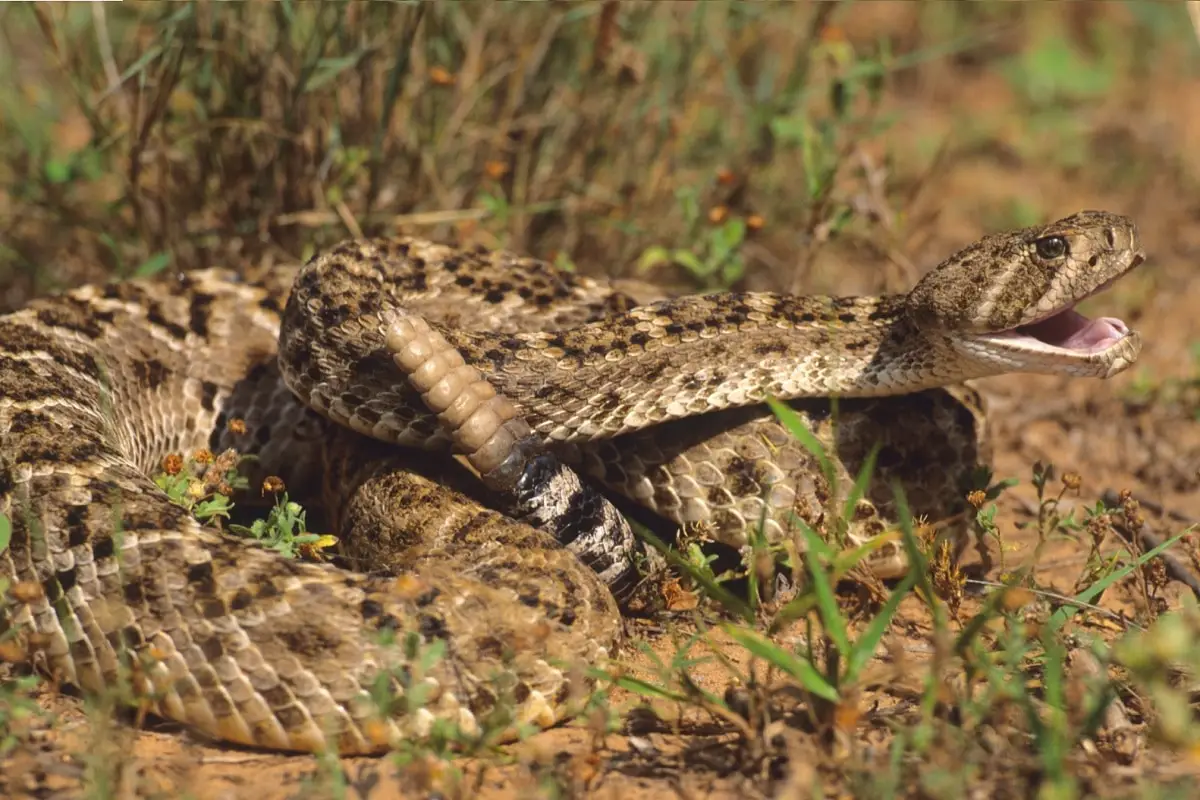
1071 330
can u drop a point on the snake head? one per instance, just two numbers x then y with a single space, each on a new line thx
1010 298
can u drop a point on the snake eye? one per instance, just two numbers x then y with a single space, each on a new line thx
1051 247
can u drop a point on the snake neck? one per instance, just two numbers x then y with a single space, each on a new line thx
820 346
692 355
887 356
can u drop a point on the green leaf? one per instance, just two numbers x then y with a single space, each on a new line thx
5 532
728 238
58 171
153 265
691 262
653 257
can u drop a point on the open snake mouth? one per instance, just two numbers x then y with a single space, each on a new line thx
1067 329
1070 330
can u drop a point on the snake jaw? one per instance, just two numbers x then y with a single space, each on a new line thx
1070 330
1066 343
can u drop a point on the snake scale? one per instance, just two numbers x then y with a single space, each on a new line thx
473 590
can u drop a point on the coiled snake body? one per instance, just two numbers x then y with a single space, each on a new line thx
455 610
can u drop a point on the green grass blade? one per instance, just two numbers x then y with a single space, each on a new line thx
831 615
820 546
845 560
329 69
638 686
864 648
1090 594
796 608
801 669
1052 744
788 417
730 601
153 265
916 559
977 623
861 481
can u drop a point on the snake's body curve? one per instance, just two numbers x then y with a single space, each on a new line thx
529 373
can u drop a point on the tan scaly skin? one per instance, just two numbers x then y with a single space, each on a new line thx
110 582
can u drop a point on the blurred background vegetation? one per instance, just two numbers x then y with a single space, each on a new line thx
702 144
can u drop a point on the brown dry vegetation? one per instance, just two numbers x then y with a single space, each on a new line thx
855 145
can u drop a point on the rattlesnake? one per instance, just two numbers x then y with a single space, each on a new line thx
485 615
